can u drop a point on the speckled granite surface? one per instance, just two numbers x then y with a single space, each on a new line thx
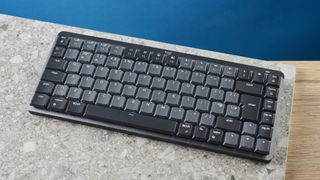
34 147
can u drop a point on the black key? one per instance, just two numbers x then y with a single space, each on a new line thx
57 104
231 140
75 43
143 93
217 108
158 83
114 88
187 89
162 111
132 105
40 100
200 66
230 72
57 64
172 86
246 143
192 117
89 96
265 131
101 72
143 80
185 63
113 116
157 58
116 50
158 96
115 75
58 52
185 130
202 105
269 105
143 55
262 146
249 128
99 59
75 108
244 74
100 85
129 78
129 91
259 77
130 53
87 70
103 48
54 76
126 64
85 57
200 133
250 107
147 108
267 118
86 82
231 97
183 75
227 84
118 102
71 54
89 46
228 124
202 92
177 114
215 136
197 78
171 60
60 90
112 62
215 69
233 111
187 102
169 72
173 99
74 93
273 80
73 67
140 67
212 81
154 70
207 120
62 41
45 87
249 88
103 99
271 92
216 95
72 80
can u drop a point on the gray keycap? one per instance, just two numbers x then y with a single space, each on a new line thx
183 75
197 78
202 105
86 82
186 63
114 88
89 96
147 108
187 102
143 93
116 50
187 89
87 70
231 97
140 67
216 95
227 84
262 146
231 139
158 83
60 90
207 120
115 75
71 54
126 64
117 102
169 72
85 57
129 78
265 131
72 80
246 143
200 66
99 59
103 99
74 93
173 99
154 70
212 81
112 62
202 92
192 117
172 86
233 111
143 80
100 85
162 111
132 105
177 114
129 91
217 108
249 128
101 72
230 72
158 96
73 67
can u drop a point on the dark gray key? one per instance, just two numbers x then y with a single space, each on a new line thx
249 128
72 80
173 99
259 77
86 82
262 146
233 111
74 93
157 58
202 105
228 124
215 69
200 133
147 108
143 93
200 66
57 64
212 81
89 45
54 76
85 57
99 59
158 83
185 130
103 48
267 118
40 100
231 140
100 85
187 89
129 78
129 91
192 117
58 52
172 86
114 88
75 108
177 114
162 111
118 102
216 95
115 75
73 67
265 131
45 87
101 72
89 96
169 72
116 50
87 70
273 80
215 136
112 62
231 97
249 88
143 80
185 63
197 78
71 54
126 64
269 105
230 72
103 99
158 96
154 70
183 75
60 90
57 104
202 92
132 105
244 74
75 43
140 67
246 143
187 102
217 108
227 84
171 60
250 107
271 92
207 120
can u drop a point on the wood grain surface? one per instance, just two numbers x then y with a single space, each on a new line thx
304 139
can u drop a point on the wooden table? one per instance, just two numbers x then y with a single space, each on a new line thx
304 140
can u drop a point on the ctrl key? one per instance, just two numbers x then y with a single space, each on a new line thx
262 146
40 101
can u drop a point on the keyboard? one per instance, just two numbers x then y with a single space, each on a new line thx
181 98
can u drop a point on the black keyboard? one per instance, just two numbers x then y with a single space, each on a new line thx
196 101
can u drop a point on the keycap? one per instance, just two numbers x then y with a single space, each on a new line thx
183 75
226 84
269 105
262 146
60 90
98 59
187 89
89 96
113 116
89 46
267 118
58 52
229 72
228 124
143 80
85 57
130 53
265 131
231 140
231 97
250 107
187 102
192 117
215 69
103 99
202 92
74 93
103 48
202 105
216 95
140 67
143 93
168 72
246 143
53 76
173 99
112 62
200 66
172 86
129 78
177 114
100 85
117 102
217 108
114 88
126 64
212 81
273 80
158 96
45 87
259 77
233 111
116 50
157 58
244 74
62 41
249 88
40 100
72 80
86 82
73 67
87 70
162 111
132 105
57 104
147 108
185 63
115 75
154 70
71 54
171 60
185 130
249 128
129 91
200 133
75 43
57 64
207 120
271 92
158 83
143 55
215 136
197 78
75 108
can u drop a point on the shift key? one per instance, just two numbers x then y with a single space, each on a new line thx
53 76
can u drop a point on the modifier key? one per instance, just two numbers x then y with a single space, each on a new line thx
54 76
40 100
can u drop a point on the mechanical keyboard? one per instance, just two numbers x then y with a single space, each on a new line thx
196 101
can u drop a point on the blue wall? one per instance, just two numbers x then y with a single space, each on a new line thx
271 29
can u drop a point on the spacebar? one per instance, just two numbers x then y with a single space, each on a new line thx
150 123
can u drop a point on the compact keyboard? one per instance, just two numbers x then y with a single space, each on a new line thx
197 101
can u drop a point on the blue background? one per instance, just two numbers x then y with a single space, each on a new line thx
271 29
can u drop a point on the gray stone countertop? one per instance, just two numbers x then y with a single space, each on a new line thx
35 147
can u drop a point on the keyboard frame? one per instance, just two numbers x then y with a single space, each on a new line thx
154 135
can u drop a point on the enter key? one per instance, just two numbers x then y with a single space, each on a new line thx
250 107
